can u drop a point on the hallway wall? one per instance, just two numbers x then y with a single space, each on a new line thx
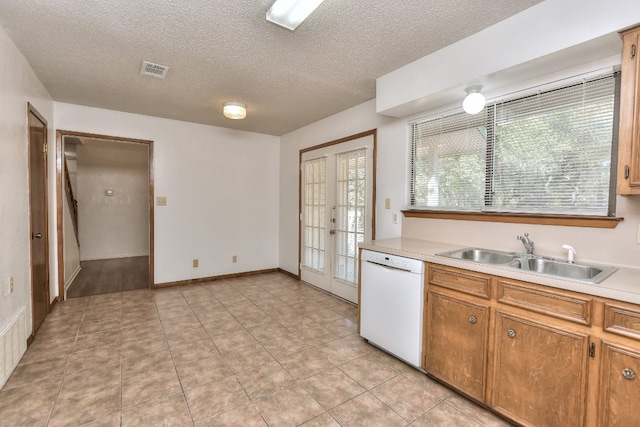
115 226
18 86
221 187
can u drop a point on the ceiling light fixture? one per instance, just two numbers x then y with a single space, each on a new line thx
234 110
474 101
290 13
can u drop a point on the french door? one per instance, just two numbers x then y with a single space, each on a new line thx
336 213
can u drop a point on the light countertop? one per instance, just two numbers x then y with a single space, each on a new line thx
623 285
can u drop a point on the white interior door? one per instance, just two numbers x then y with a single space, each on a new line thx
337 196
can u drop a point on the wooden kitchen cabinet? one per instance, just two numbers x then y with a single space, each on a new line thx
456 342
540 372
537 355
628 182
619 386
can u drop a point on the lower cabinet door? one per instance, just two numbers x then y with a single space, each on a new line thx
539 372
619 386
457 333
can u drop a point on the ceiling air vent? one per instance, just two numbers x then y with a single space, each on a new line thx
153 70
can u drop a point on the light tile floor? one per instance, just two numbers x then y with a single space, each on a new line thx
262 350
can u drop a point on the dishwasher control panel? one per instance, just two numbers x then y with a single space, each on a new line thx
393 261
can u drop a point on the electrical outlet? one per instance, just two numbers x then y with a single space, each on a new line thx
234 258
11 284
195 262
394 217
161 201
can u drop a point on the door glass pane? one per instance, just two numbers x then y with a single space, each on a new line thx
314 213
349 213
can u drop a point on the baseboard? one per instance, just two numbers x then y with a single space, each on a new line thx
53 304
114 257
68 283
295 276
213 278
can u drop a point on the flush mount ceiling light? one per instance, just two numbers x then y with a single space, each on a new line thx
474 101
290 13
234 110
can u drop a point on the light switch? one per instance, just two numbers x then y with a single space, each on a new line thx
161 201
387 203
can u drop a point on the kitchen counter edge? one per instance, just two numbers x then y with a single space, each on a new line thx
623 285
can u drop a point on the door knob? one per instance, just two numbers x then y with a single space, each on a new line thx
36 236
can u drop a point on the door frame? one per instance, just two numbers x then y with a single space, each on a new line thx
371 132
60 134
32 110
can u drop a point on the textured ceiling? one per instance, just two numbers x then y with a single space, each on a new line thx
89 52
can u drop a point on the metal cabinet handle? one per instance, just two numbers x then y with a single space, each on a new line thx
472 320
332 232
36 235
511 333
628 374
627 172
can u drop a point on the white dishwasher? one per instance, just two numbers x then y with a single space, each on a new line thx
391 303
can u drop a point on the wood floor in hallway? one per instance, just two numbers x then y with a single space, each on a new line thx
106 276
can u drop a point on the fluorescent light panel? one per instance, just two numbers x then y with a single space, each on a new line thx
290 13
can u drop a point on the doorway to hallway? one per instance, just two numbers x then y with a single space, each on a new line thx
109 181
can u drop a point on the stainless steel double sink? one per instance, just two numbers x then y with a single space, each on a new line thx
535 263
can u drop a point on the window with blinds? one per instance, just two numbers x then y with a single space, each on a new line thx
549 152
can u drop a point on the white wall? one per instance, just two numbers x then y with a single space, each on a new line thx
19 85
549 37
221 187
349 122
115 226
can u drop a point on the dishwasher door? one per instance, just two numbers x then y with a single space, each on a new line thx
391 304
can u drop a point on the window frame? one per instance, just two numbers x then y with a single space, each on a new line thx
578 220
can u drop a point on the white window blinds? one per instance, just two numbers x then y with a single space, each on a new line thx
549 152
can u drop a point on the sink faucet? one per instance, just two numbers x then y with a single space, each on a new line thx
528 244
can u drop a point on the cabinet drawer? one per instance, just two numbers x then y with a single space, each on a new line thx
622 320
563 305
469 282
